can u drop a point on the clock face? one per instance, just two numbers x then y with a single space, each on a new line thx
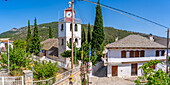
68 14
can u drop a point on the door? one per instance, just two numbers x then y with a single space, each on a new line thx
134 69
114 70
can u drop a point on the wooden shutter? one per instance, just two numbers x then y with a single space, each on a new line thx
157 53
123 54
142 53
162 53
131 54
137 53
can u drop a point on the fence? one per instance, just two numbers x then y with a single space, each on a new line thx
66 75
17 80
49 81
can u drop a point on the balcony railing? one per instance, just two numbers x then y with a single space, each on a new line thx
69 20
136 59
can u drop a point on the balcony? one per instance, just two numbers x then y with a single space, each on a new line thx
69 20
134 60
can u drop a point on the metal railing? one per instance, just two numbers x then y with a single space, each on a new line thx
49 81
16 80
69 20
66 75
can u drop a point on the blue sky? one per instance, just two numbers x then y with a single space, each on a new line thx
16 13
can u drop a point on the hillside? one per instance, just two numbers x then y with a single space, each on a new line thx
110 32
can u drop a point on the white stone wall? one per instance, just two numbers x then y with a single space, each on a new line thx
116 53
66 34
125 69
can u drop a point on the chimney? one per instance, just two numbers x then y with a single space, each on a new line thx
116 38
151 37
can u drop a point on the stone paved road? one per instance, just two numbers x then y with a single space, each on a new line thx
112 80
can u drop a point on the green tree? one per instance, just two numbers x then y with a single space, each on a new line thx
29 31
153 77
19 44
29 38
19 60
35 39
50 32
44 70
98 32
83 36
89 34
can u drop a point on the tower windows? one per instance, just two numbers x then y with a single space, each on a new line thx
62 28
76 27
62 41
71 27
70 40
76 40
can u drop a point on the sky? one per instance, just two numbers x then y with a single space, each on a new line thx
16 13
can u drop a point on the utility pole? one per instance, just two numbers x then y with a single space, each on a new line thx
72 34
167 57
72 22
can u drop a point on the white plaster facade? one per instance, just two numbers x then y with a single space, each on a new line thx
114 59
65 32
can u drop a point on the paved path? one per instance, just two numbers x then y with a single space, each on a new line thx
112 80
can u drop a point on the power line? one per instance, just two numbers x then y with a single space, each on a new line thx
122 12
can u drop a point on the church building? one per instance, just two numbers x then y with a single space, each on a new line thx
65 31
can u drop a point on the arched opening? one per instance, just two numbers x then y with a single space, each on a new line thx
76 29
123 54
142 53
162 52
71 27
132 54
62 41
137 53
70 40
76 40
157 53
62 28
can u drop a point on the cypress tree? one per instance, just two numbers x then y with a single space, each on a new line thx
98 33
29 31
50 32
35 39
29 38
89 34
83 36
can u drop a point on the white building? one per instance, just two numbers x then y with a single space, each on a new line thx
125 56
65 31
4 44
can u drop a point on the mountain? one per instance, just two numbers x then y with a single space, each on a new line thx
110 32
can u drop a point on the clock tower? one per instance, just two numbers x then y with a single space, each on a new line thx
65 31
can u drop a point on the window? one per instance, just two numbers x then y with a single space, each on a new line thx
142 53
137 53
76 27
157 53
123 54
71 27
76 40
131 53
62 41
62 27
162 52
70 40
